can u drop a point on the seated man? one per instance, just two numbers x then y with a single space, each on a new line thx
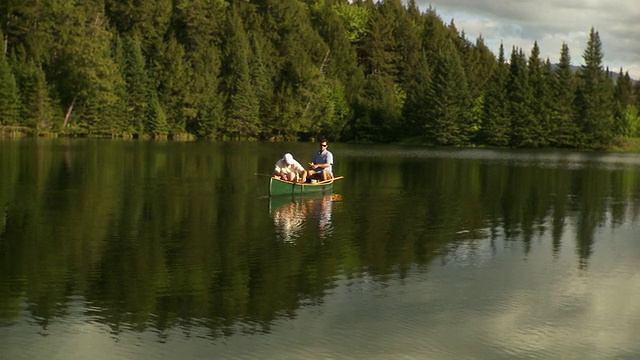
289 169
321 163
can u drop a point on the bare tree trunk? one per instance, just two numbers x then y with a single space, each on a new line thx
322 71
324 62
69 111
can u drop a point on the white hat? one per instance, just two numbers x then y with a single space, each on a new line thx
288 158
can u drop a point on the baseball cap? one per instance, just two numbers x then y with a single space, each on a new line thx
288 158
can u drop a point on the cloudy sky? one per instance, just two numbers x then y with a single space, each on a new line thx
550 22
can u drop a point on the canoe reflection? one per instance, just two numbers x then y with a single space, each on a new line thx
292 214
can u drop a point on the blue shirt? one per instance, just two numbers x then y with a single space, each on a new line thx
324 157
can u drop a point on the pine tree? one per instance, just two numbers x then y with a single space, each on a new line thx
594 100
261 75
157 123
419 95
143 112
519 101
150 19
414 72
86 75
624 89
173 74
120 125
450 115
9 96
30 25
39 111
242 106
479 64
205 101
138 86
300 53
564 131
623 99
341 73
378 110
496 124
378 51
434 36
538 77
199 26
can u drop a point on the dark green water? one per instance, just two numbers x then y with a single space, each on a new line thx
144 250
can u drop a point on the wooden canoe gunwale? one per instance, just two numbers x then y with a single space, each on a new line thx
281 187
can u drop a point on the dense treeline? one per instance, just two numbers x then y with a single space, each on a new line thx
295 69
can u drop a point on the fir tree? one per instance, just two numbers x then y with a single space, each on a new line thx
564 130
341 74
300 52
538 77
9 96
242 103
496 125
205 101
39 111
418 103
378 110
199 26
173 75
378 51
150 19
626 112
138 86
594 100
479 64
261 75
86 74
450 116
519 102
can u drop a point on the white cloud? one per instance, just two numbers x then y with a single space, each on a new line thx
550 23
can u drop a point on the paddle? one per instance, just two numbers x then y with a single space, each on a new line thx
329 180
262 174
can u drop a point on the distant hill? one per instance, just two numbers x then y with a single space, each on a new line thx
614 73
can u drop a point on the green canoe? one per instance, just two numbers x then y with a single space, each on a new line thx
281 187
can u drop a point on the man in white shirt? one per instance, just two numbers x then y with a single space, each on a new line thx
289 169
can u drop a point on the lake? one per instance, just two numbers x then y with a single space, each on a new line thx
139 250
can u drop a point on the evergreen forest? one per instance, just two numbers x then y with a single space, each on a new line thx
280 70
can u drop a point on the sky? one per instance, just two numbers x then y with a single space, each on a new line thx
550 22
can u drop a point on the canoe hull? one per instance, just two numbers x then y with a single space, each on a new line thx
280 187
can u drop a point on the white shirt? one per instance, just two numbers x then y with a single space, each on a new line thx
284 168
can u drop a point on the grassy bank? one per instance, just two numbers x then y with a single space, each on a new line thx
629 145
626 145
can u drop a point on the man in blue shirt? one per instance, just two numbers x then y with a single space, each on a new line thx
321 163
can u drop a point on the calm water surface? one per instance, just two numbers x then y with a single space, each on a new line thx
141 250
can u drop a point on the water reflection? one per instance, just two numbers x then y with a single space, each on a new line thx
155 242
292 213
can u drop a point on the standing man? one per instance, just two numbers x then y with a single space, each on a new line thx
321 163
289 169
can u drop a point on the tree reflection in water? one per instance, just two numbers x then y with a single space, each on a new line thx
291 215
